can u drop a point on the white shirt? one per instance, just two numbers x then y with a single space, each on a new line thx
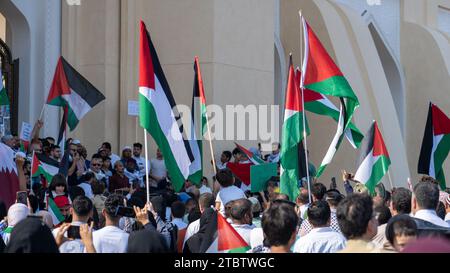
320 240
303 209
72 246
114 158
110 239
244 231
158 167
228 194
141 165
431 216
204 189
87 190
134 176
191 230
221 165
179 223
256 237
99 176
447 218
274 158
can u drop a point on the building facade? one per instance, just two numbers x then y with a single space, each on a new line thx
395 54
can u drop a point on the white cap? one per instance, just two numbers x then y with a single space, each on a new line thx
126 148
76 142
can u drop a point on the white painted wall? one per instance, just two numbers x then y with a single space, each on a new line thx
387 17
444 20
36 40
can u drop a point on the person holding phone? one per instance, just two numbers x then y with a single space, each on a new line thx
68 236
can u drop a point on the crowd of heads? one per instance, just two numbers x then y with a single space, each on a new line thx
108 194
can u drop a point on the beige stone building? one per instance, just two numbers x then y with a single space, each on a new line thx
395 54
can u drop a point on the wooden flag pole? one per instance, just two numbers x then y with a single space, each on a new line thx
147 182
303 109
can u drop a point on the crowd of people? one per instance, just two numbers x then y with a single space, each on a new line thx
103 203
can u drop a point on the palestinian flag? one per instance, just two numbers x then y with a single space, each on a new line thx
4 100
292 136
9 180
199 126
375 161
70 88
157 113
44 165
24 146
321 75
54 211
251 156
319 104
435 145
241 171
227 239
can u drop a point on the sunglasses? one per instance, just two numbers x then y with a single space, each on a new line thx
96 164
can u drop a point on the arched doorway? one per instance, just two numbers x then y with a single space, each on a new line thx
9 114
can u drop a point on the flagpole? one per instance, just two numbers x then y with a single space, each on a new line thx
210 144
42 111
147 182
303 109
390 179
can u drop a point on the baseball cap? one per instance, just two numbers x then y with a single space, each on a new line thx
76 142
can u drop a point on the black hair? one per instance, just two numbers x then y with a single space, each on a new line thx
240 208
82 206
401 200
34 203
107 145
87 176
137 145
111 204
58 180
76 191
178 209
236 151
194 215
97 187
427 195
227 154
384 214
353 215
319 213
333 197
97 156
279 223
135 201
399 225
440 210
225 178
318 190
53 147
